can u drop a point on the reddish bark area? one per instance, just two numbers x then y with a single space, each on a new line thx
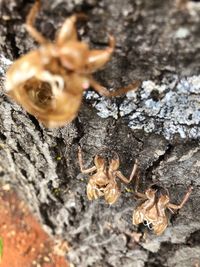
25 244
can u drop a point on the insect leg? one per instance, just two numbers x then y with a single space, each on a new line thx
68 30
30 21
105 92
80 159
134 170
177 207
98 58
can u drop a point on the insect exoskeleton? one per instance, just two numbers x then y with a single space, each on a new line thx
53 98
104 175
152 211
49 82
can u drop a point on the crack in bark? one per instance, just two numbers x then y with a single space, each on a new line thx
155 164
44 209
193 239
37 125
168 249
11 38
80 131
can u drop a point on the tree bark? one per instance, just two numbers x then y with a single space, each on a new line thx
159 125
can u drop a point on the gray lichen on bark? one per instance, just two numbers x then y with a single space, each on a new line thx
158 124
169 108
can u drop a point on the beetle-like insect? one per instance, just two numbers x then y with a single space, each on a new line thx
103 182
49 82
152 211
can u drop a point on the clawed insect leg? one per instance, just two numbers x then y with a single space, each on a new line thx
177 207
80 159
30 21
134 170
68 30
93 192
98 58
105 92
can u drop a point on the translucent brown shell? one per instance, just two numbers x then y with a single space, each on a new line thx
49 82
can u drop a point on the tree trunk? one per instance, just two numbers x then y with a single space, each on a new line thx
156 42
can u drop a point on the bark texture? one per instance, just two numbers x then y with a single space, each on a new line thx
158 125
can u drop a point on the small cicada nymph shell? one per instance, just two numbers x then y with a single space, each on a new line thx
103 181
49 82
152 211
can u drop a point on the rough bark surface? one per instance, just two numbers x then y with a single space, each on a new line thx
156 42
